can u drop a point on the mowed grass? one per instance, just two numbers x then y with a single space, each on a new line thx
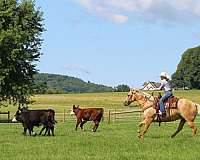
115 141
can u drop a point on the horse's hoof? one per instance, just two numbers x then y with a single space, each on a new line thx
140 136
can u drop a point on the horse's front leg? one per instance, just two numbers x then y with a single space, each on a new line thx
140 126
147 123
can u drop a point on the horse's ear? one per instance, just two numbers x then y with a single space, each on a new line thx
78 106
74 106
137 90
132 89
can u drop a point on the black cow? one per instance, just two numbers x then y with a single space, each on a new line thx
31 118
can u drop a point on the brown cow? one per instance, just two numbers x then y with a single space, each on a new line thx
88 114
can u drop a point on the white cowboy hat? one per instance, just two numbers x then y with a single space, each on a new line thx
167 76
164 74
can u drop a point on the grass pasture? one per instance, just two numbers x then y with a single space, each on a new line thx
115 141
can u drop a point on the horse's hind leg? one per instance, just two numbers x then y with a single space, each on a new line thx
180 127
193 127
190 119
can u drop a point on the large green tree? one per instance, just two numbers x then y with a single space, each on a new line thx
21 26
122 88
188 70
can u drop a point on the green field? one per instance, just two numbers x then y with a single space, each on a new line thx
117 141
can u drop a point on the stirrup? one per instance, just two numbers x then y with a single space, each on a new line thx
159 113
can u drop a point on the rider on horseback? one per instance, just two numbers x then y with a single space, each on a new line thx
168 92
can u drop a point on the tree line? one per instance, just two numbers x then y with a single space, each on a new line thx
187 74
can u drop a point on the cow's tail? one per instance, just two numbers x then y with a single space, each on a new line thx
198 108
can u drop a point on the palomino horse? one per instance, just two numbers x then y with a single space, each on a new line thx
185 110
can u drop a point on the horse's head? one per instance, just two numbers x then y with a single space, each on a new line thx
131 97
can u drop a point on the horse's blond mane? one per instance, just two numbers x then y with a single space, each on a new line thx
149 96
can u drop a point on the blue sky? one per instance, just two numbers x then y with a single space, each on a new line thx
117 41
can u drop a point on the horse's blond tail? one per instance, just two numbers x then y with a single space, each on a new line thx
198 108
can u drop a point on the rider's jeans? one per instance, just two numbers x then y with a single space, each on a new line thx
162 99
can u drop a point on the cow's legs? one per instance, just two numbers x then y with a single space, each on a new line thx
42 130
96 124
52 130
78 122
82 123
30 129
25 129
49 127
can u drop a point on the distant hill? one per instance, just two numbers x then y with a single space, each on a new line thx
54 83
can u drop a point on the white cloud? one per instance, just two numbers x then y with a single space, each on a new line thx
117 18
102 9
77 67
171 11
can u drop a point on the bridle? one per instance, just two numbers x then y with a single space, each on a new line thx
130 97
143 96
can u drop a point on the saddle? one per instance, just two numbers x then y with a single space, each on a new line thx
169 103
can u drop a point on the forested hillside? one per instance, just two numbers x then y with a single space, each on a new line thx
188 70
53 83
